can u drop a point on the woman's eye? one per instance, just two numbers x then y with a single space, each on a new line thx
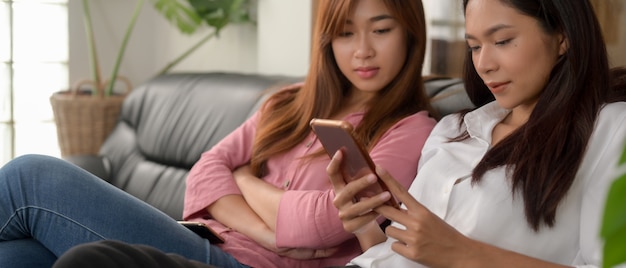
345 34
473 48
503 42
382 31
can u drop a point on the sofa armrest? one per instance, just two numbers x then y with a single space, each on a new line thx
94 164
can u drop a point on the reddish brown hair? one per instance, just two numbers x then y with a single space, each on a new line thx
286 114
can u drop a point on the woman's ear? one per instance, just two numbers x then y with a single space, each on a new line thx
563 44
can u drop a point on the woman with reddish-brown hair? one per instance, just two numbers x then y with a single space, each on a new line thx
263 188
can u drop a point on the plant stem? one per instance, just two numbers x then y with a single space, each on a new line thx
95 65
120 55
186 53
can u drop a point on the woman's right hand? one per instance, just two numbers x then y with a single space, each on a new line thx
359 217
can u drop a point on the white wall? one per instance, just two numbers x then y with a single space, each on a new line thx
278 44
284 36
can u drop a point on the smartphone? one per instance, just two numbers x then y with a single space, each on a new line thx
203 231
337 135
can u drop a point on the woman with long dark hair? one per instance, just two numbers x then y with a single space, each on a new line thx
521 180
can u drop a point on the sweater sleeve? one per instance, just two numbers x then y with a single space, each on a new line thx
211 177
308 219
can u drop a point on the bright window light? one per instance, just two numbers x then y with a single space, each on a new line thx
34 64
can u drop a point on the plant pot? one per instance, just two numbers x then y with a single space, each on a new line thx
84 120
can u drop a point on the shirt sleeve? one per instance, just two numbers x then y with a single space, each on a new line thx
604 150
211 177
308 219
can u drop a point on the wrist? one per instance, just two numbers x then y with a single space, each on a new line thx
263 235
470 255
370 235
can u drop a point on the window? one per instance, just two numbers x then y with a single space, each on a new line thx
34 59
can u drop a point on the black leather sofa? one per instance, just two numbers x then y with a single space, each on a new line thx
167 122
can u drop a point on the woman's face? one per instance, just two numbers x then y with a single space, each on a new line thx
511 52
371 49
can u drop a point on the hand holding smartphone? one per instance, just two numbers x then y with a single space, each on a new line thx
337 135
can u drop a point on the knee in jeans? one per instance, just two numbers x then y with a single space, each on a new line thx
28 167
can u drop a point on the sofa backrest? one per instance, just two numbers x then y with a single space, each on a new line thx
168 122
447 95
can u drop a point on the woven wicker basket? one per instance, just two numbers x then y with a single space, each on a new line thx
84 121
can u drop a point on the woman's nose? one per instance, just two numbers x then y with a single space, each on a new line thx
484 61
363 48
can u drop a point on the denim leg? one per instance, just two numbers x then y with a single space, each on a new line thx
60 206
25 253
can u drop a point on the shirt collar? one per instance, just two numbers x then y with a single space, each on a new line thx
480 122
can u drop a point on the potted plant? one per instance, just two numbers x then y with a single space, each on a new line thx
614 221
84 118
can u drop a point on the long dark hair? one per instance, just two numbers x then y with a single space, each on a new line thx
542 156
285 117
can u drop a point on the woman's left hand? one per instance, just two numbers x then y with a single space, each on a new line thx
427 239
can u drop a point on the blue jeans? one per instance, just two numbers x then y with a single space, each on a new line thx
48 205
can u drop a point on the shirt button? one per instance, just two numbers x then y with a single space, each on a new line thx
446 190
308 144
286 185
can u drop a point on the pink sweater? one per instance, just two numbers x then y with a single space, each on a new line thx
306 216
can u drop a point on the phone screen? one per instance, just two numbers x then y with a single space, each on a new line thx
337 135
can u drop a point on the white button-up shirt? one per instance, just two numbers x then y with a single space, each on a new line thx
488 212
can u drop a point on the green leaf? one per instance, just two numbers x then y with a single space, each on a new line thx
613 229
240 11
179 13
215 14
219 13
614 249
120 54
615 210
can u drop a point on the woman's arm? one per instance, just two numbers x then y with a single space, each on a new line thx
264 200
430 241
249 224
246 221
262 197
211 176
312 213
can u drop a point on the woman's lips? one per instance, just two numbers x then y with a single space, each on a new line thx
366 72
497 87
